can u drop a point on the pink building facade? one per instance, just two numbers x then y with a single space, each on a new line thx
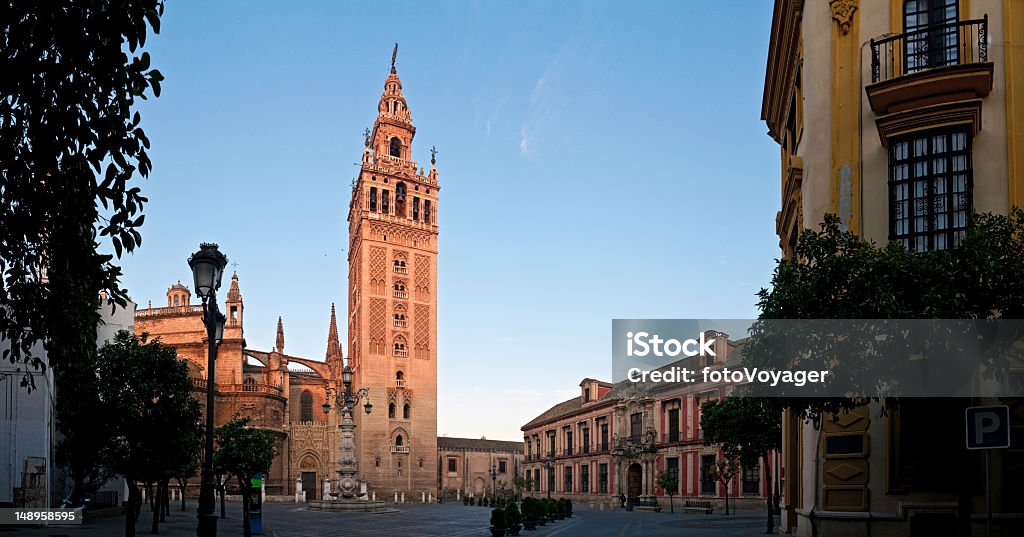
613 440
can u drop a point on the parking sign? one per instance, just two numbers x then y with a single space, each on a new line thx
988 427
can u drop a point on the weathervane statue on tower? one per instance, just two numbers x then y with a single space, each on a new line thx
394 56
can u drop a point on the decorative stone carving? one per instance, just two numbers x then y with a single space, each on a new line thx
842 13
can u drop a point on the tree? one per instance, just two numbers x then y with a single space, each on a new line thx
522 483
979 279
669 482
826 279
70 141
85 432
147 393
244 451
724 470
186 464
748 429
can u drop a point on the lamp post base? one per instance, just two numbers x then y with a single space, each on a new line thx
207 525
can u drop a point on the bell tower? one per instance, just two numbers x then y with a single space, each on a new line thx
392 309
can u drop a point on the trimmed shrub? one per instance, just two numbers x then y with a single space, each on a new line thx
498 518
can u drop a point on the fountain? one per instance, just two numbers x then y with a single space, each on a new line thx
351 493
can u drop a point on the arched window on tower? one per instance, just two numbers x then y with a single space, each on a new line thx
406 411
396 148
391 410
399 380
306 406
400 192
398 440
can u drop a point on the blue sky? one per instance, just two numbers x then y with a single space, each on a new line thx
597 161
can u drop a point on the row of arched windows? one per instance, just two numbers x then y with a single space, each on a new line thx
406 412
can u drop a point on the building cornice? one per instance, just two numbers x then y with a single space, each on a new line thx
781 69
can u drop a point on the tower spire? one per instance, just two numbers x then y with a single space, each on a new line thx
333 346
234 295
280 336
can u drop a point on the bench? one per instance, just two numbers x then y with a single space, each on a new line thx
698 506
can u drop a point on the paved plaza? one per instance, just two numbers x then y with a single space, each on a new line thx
418 520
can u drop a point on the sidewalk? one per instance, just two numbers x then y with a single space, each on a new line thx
177 523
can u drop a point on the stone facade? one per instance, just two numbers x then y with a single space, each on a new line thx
465 465
580 437
258 385
393 304
392 334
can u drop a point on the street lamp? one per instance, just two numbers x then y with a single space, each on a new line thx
346 401
207 268
494 481
549 463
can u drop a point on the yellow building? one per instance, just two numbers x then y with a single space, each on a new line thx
901 117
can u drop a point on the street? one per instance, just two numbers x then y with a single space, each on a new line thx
418 520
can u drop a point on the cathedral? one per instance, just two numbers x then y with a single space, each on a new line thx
392 334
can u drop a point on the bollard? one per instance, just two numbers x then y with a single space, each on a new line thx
430 497
403 496
423 497
396 497
374 496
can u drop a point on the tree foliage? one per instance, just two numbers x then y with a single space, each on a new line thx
747 429
669 481
834 274
147 393
71 142
244 451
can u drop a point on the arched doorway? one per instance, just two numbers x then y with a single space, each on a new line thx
307 468
634 481
478 487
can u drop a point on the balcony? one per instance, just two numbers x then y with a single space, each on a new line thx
250 387
679 438
401 294
936 65
401 323
399 449
401 353
399 383
401 270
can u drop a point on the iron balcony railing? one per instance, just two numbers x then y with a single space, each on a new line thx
940 45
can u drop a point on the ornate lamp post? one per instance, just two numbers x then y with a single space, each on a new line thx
346 401
494 481
207 268
549 463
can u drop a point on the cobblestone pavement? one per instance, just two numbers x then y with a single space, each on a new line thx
418 520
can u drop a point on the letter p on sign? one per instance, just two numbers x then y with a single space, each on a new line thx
988 427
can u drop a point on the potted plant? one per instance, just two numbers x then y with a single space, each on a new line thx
549 510
530 513
513 518
498 524
568 508
465 500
